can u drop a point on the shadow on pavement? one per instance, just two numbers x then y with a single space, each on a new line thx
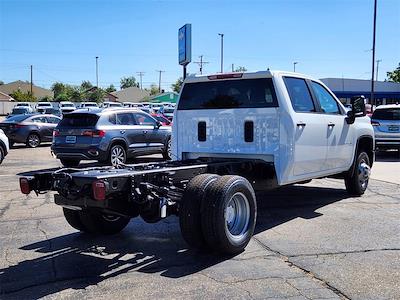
387 156
77 260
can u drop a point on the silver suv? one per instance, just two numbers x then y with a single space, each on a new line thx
386 123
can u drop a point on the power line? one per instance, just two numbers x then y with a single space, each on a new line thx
201 63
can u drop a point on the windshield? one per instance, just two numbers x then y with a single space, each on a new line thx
79 120
89 105
44 104
67 105
18 118
168 110
244 93
391 114
115 105
17 111
22 104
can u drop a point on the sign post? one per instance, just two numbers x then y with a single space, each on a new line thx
185 46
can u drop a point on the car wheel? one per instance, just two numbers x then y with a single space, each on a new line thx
73 219
33 140
117 155
167 154
190 210
229 215
1 154
357 182
101 223
70 163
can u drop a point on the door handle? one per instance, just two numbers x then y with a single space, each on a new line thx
122 131
301 124
331 125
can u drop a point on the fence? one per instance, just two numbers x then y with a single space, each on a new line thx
6 107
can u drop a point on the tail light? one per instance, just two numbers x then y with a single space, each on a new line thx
94 133
99 190
375 123
24 185
18 126
224 76
56 132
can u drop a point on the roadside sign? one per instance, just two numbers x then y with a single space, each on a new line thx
185 44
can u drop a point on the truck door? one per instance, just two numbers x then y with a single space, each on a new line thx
338 132
309 136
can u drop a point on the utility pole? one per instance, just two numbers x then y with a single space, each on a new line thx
373 59
294 65
222 51
201 63
31 80
140 75
159 79
97 72
377 68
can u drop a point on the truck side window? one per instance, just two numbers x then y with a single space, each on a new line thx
125 119
327 102
299 95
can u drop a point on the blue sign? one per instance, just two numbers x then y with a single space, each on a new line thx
185 44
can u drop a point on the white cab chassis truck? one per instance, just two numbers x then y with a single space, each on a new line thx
233 134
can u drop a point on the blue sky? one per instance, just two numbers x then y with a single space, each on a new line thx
61 38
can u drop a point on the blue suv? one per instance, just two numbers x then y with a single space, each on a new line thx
109 136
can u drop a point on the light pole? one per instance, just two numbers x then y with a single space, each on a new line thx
373 59
97 72
222 51
294 65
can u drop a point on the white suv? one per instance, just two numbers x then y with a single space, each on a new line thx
4 146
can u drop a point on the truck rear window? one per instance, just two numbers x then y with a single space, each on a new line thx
79 120
243 93
387 114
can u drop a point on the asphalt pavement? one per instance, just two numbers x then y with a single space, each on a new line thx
312 241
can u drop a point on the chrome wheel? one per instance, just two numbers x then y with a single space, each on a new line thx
364 171
237 216
118 155
33 140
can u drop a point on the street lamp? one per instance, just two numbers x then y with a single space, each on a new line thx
97 72
294 65
222 51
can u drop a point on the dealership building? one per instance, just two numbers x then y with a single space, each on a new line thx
385 92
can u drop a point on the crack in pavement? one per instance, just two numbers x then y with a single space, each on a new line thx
343 252
309 273
52 258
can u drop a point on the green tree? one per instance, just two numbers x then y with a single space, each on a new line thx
153 89
240 69
62 97
46 99
176 87
111 89
21 96
1 82
58 88
96 95
127 82
86 84
394 76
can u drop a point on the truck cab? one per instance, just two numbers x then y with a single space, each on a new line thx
288 120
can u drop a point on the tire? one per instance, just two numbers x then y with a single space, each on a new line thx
167 152
100 223
357 182
33 140
72 217
2 154
117 155
191 208
70 163
229 215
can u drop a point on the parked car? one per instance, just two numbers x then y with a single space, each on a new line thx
26 105
111 104
41 106
386 123
88 105
21 110
4 146
169 112
67 107
110 135
31 129
53 111
132 104
161 118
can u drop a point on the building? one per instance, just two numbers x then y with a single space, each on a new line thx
131 94
165 97
108 97
25 86
385 92
5 97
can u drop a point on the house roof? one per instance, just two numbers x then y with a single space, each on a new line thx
5 97
94 88
131 94
24 86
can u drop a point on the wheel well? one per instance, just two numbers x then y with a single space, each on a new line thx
366 143
118 142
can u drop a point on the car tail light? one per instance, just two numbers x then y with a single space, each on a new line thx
19 125
224 76
24 185
99 190
56 132
375 123
94 133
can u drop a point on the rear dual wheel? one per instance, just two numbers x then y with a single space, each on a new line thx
218 213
